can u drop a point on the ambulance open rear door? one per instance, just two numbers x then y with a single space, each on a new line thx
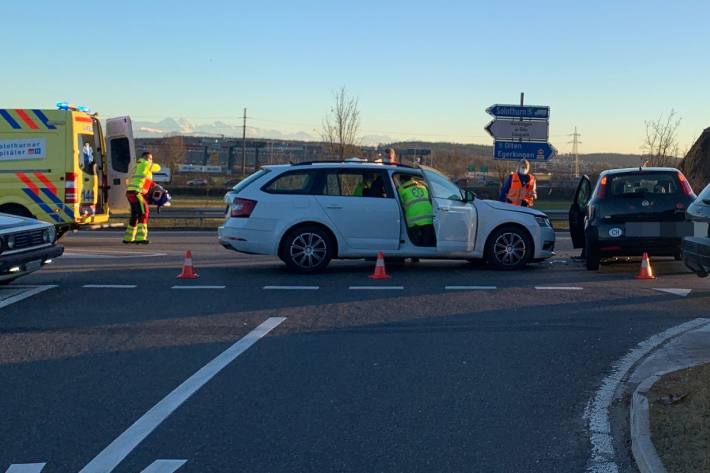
121 157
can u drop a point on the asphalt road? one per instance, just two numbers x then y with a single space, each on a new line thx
416 376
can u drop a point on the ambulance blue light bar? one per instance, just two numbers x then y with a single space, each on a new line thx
73 108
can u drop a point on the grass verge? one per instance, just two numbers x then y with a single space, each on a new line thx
680 419
179 201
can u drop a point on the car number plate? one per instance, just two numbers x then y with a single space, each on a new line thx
33 265
659 229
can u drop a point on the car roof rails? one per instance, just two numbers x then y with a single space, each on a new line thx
323 161
352 161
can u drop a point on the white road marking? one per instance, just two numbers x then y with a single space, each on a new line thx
24 295
376 288
110 286
117 450
164 466
26 468
198 287
470 288
292 288
602 458
676 292
558 288
109 255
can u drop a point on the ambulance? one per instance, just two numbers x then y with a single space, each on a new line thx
57 165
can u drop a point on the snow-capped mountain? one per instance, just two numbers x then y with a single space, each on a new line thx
181 126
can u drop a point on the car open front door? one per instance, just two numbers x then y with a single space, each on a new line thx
578 211
454 219
121 156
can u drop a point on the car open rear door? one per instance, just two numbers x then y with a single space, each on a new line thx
578 210
121 156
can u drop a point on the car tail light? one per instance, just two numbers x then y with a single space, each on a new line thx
70 188
601 189
687 190
242 208
611 248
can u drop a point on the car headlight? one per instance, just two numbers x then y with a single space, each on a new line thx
10 242
49 234
543 221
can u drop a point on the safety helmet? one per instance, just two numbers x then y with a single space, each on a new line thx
157 195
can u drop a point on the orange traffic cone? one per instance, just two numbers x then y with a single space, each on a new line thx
380 272
187 270
646 270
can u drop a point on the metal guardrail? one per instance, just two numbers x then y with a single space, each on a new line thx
182 213
557 214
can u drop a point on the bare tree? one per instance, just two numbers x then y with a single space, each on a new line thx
660 146
502 170
171 153
341 126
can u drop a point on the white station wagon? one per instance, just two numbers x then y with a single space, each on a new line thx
309 213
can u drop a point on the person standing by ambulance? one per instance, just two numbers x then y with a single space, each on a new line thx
520 187
138 187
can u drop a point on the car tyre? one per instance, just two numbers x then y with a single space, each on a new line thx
508 248
307 249
591 255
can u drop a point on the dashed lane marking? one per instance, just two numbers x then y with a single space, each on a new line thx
164 466
33 291
110 286
26 468
291 288
676 292
558 288
109 255
197 287
376 288
470 288
124 444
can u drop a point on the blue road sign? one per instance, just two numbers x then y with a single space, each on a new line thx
516 150
517 111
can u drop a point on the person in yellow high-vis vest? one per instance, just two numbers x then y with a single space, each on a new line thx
418 211
138 187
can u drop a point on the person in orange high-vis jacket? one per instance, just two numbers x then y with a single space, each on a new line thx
520 187
138 187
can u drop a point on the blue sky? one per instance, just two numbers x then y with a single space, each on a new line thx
420 69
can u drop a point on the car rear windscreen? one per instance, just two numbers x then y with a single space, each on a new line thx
640 184
245 182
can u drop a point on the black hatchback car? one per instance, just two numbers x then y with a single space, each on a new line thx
631 211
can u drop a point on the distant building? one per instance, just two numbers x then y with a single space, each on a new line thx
227 152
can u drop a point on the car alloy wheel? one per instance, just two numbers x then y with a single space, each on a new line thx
308 250
509 249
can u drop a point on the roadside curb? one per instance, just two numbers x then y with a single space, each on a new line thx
642 447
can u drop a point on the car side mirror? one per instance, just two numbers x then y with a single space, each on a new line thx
470 196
